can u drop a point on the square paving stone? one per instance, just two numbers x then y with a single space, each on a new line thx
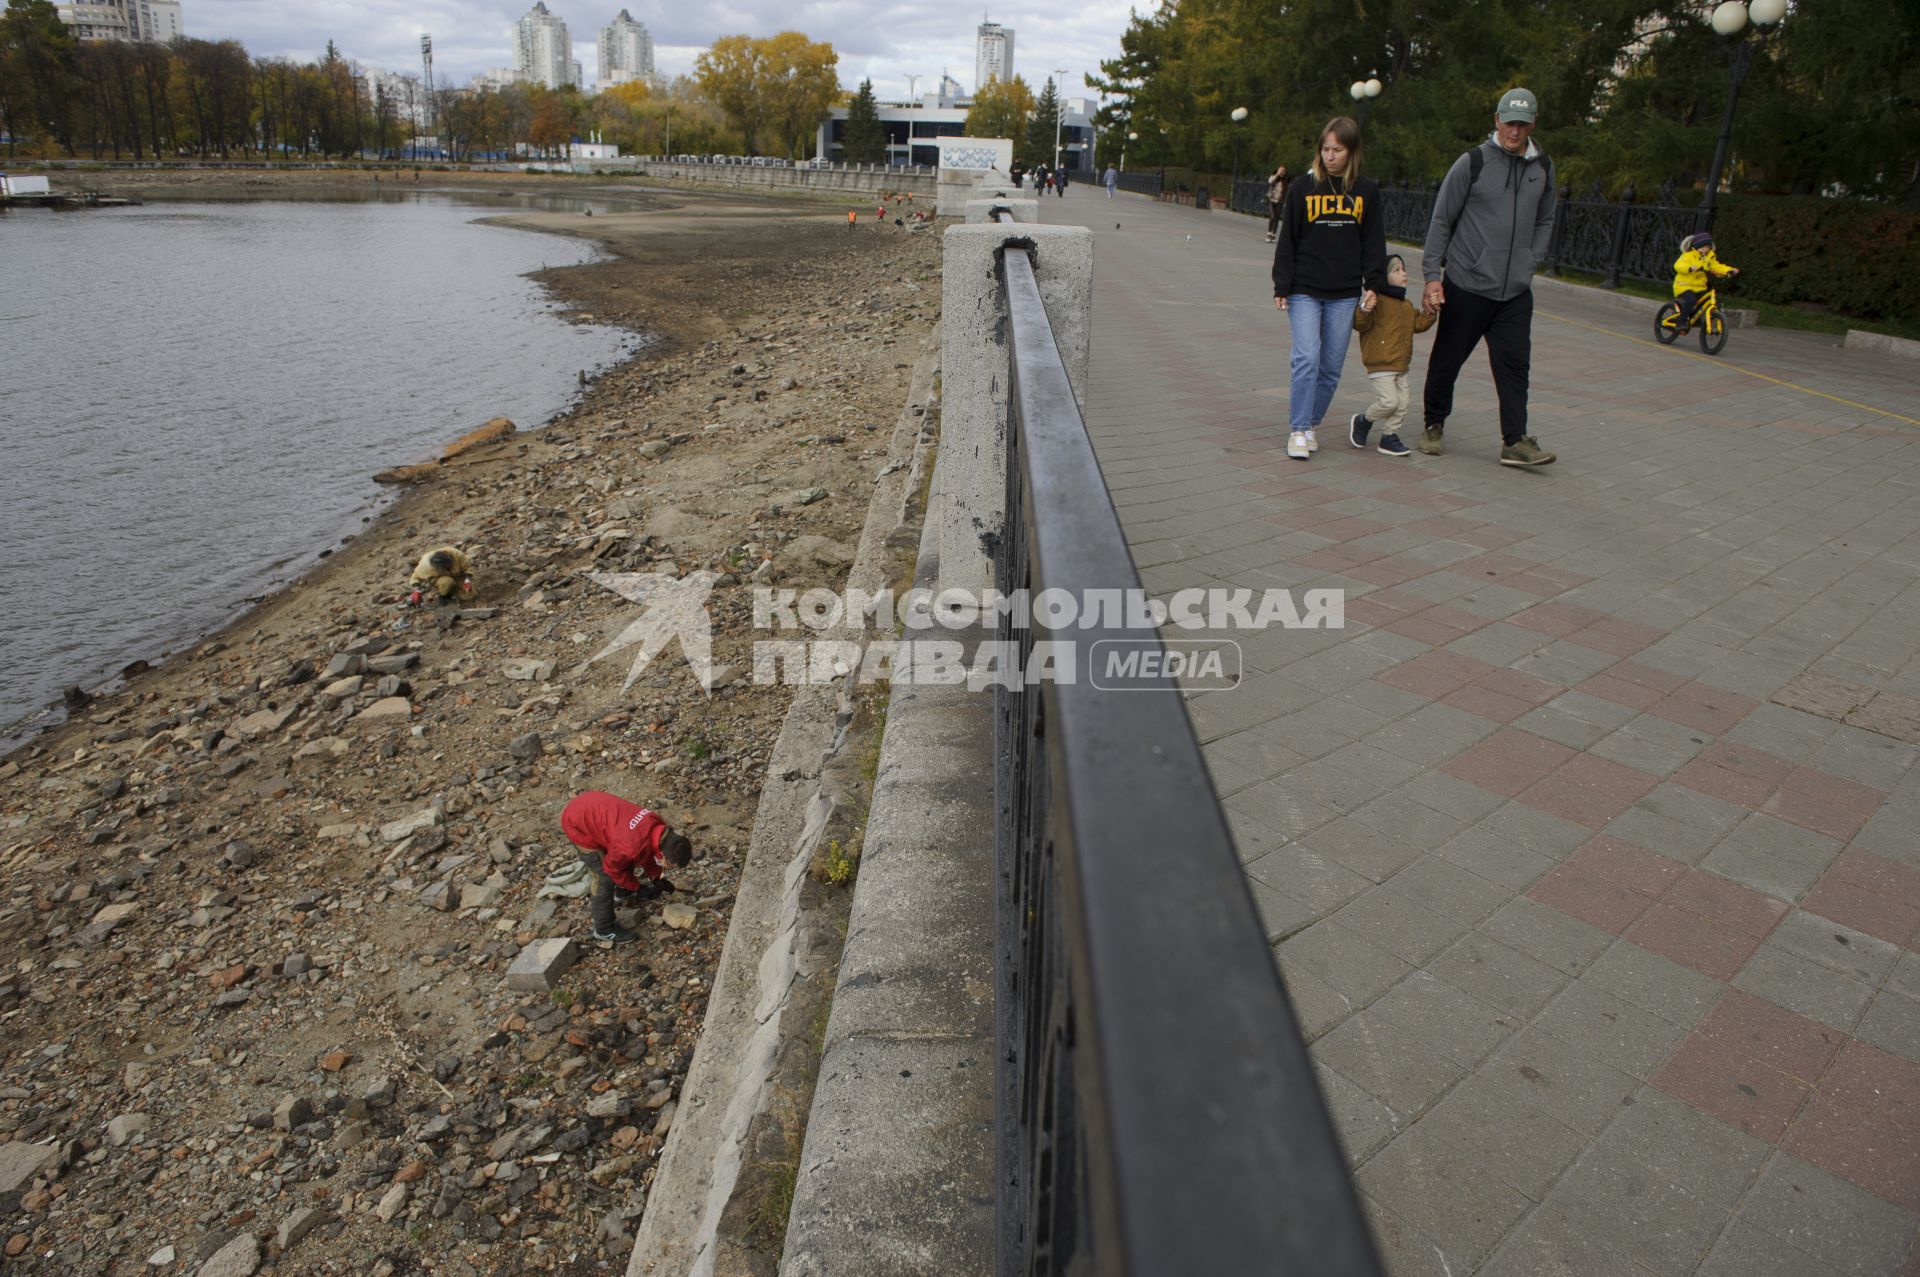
1745 1250
1280 809
1496 859
1653 983
1633 1040
1536 829
1431 735
1404 1252
1557 939
1892 1023
1463 1209
1298 871
1651 1220
1548 1244
1362 1122
1820 993
1825 1216
1448 889
1835 946
1783 860
1431 1011
1863 1124
1317 1005
1866 758
1692 808
1351 966
1505 978
1651 745
1399 925
1589 790
1562 1079
1455 800
1783 732
1410 820
1280 914
1362 849
1388 1063
1684 1146
1824 803
1519 1143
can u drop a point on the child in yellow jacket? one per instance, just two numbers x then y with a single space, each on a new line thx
1386 322
1693 274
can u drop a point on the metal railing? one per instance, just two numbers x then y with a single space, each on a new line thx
1141 182
1250 196
1616 240
1158 1112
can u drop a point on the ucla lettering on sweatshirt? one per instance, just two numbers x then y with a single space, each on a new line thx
1332 241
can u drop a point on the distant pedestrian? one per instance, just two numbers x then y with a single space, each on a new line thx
1492 221
1061 190
1331 255
853 218
1276 200
1386 331
616 837
1018 173
1112 179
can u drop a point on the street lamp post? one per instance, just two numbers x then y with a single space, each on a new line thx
1131 137
913 85
1365 91
1239 116
1059 110
1729 21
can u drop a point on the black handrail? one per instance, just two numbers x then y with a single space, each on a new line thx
1158 1111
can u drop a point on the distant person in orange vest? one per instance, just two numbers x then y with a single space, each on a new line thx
853 216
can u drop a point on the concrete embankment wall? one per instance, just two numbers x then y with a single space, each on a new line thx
844 180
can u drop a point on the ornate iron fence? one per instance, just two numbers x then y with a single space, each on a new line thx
1157 1109
1616 240
1141 182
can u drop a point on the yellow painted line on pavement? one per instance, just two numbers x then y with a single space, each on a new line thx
1745 372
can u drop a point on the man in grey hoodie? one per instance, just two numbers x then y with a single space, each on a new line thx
1492 221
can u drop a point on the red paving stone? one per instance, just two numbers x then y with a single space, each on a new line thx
1392 570
1897 882
1487 703
1535 691
1508 762
1621 862
1555 619
1489 537
1734 774
1726 902
1434 674
1751 1064
1594 901
1863 909
1824 803
1589 790
1682 937
1704 708
1863 1124
1616 637
1443 526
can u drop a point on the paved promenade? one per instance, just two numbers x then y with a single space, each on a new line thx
1590 848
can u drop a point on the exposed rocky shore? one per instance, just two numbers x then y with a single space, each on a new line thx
260 905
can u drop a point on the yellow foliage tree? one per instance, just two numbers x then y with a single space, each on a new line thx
774 90
1001 109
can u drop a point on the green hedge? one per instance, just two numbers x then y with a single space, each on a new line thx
1855 258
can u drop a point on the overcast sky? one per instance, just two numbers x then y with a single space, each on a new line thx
887 40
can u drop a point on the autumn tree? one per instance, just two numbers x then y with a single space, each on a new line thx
1001 109
775 90
865 141
40 80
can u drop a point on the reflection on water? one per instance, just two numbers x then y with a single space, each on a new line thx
195 397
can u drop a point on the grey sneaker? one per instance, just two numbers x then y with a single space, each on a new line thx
1527 452
615 935
1429 444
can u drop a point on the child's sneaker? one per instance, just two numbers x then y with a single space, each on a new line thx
1357 428
615 935
1313 443
1430 441
1391 445
1297 445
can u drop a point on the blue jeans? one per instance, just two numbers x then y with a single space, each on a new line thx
1321 331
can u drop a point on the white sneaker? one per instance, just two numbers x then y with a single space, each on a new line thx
1297 446
1313 444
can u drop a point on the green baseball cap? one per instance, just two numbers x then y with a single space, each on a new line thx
1518 104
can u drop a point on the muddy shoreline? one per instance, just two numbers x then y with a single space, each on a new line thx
257 906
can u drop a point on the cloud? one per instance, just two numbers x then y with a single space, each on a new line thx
885 41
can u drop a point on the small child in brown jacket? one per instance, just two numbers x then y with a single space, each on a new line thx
1386 329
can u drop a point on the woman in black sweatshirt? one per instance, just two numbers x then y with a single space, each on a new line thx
1332 248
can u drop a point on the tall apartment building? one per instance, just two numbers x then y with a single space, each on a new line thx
542 53
992 55
148 21
626 51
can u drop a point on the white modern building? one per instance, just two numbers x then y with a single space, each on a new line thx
542 52
992 54
155 21
626 51
913 130
496 78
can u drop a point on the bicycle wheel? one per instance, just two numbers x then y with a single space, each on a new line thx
1713 333
1663 334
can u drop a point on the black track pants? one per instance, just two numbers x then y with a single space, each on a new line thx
1508 328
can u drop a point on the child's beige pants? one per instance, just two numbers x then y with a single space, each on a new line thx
1389 401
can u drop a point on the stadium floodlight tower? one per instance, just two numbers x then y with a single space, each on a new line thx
426 65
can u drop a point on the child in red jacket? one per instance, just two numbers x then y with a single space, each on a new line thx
615 837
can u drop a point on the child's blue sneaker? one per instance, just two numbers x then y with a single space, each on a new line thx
1391 445
1357 428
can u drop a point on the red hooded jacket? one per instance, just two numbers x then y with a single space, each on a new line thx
624 834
